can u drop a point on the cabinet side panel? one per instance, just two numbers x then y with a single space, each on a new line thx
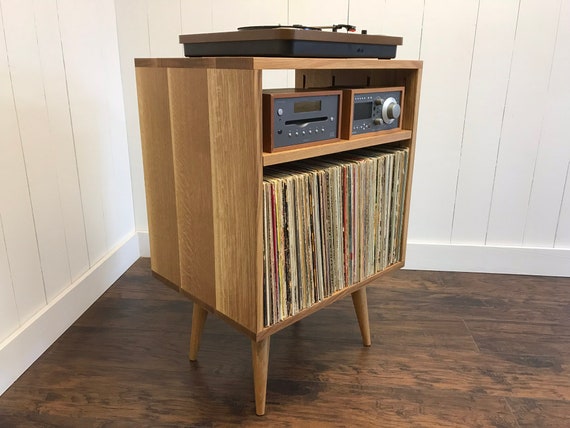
235 103
412 80
152 88
191 151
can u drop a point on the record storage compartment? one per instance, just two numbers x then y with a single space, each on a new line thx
201 132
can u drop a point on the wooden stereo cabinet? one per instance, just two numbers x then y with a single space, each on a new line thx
201 131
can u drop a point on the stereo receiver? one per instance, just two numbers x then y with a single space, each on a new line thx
371 110
295 117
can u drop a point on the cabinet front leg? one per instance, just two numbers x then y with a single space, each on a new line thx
361 307
260 358
199 315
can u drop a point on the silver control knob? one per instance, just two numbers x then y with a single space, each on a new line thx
378 101
377 121
390 110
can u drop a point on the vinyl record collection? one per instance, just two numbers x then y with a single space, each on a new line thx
329 223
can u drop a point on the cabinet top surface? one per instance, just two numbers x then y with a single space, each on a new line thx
268 63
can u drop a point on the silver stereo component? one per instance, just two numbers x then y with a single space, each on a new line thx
371 110
299 117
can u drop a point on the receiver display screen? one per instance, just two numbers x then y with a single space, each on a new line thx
307 106
362 111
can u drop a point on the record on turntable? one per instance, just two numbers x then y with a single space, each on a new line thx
292 41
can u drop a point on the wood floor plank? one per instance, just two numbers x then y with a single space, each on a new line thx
533 413
528 339
448 350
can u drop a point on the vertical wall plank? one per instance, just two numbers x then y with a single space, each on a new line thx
37 143
562 239
391 18
86 86
405 19
315 12
196 16
164 26
228 15
118 205
133 37
446 48
91 56
8 310
554 149
16 210
483 119
61 134
523 119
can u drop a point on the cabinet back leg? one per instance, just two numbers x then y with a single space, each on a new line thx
199 315
361 307
260 359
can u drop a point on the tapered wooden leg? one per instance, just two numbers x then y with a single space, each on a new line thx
199 315
260 358
361 307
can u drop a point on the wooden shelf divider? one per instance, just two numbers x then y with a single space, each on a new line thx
334 147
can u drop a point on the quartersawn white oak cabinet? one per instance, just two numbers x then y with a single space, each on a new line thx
201 131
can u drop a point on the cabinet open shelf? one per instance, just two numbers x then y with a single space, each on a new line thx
268 331
334 147
201 133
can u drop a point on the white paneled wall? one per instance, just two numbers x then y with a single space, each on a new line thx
492 165
551 163
20 241
65 189
524 114
482 126
446 47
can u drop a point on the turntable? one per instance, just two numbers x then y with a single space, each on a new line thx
291 41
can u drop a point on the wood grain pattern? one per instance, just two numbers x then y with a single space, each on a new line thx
446 354
199 315
217 155
361 308
413 81
289 34
260 360
268 63
234 103
156 139
215 124
193 182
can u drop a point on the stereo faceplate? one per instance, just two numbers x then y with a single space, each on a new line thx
293 117
371 110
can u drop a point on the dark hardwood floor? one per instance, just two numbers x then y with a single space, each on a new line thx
448 349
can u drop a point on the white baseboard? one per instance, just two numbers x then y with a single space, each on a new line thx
470 258
473 258
34 337
144 244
